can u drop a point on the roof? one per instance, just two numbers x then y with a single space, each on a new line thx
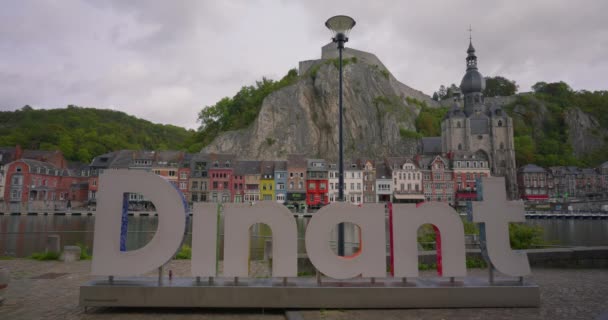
468 155
247 167
7 155
280 166
267 167
431 145
317 165
397 162
296 161
531 168
383 171
34 164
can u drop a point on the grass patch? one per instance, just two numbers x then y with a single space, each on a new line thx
184 253
84 251
476 263
6 258
45 256
305 274
425 267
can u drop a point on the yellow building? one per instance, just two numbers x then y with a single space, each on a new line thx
267 189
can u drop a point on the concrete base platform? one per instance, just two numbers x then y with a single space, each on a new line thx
306 293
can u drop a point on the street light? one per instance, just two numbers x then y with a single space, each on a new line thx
340 26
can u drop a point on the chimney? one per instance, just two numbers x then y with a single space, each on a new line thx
18 152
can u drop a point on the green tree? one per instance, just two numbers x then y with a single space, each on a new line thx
499 86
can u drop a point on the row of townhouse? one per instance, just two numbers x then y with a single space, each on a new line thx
301 181
561 183
31 179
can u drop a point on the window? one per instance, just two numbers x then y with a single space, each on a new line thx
182 185
195 197
194 185
459 146
322 186
499 122
291 174
358 186
300 185
502 146
214 185
183 175
291 185
311 185
458 124
352 186
280 186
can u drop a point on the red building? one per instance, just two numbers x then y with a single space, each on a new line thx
468 167
316 183
221 174
532 183
437 179
32 185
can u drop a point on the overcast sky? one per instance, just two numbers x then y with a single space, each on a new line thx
165 60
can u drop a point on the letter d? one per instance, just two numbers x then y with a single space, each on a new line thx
108 260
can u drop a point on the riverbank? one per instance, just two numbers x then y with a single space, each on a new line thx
49 290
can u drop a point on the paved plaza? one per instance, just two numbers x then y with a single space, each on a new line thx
49 290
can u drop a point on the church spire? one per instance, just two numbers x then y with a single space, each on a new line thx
471 57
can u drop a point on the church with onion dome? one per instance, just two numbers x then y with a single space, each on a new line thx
471 127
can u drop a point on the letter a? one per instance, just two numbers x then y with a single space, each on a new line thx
371 262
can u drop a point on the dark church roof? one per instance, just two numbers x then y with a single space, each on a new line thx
431 145
472 81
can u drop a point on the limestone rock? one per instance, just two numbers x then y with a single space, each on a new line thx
584 131
303 117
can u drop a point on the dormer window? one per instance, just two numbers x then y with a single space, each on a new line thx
227 164
216 164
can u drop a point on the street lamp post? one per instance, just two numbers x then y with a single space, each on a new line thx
340 26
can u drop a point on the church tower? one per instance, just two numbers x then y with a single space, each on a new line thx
477 129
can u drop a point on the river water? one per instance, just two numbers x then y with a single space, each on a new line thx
20 236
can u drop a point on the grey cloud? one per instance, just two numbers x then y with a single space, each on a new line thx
165 60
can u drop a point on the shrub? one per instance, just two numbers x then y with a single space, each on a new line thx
473 263
84 251
525 236
45 256
184 253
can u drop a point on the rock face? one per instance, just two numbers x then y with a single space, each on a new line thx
303 117
584 131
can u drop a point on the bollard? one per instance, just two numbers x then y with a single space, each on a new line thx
4 278
53 243
70 254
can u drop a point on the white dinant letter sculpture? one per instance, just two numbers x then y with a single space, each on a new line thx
239 217
370 262
496 212
406 221
204 239
108 260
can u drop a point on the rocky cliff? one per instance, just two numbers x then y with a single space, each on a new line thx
379 113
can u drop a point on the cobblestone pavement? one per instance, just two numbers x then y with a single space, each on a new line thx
565 294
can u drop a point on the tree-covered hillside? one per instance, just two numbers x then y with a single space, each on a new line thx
82 133
542 133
